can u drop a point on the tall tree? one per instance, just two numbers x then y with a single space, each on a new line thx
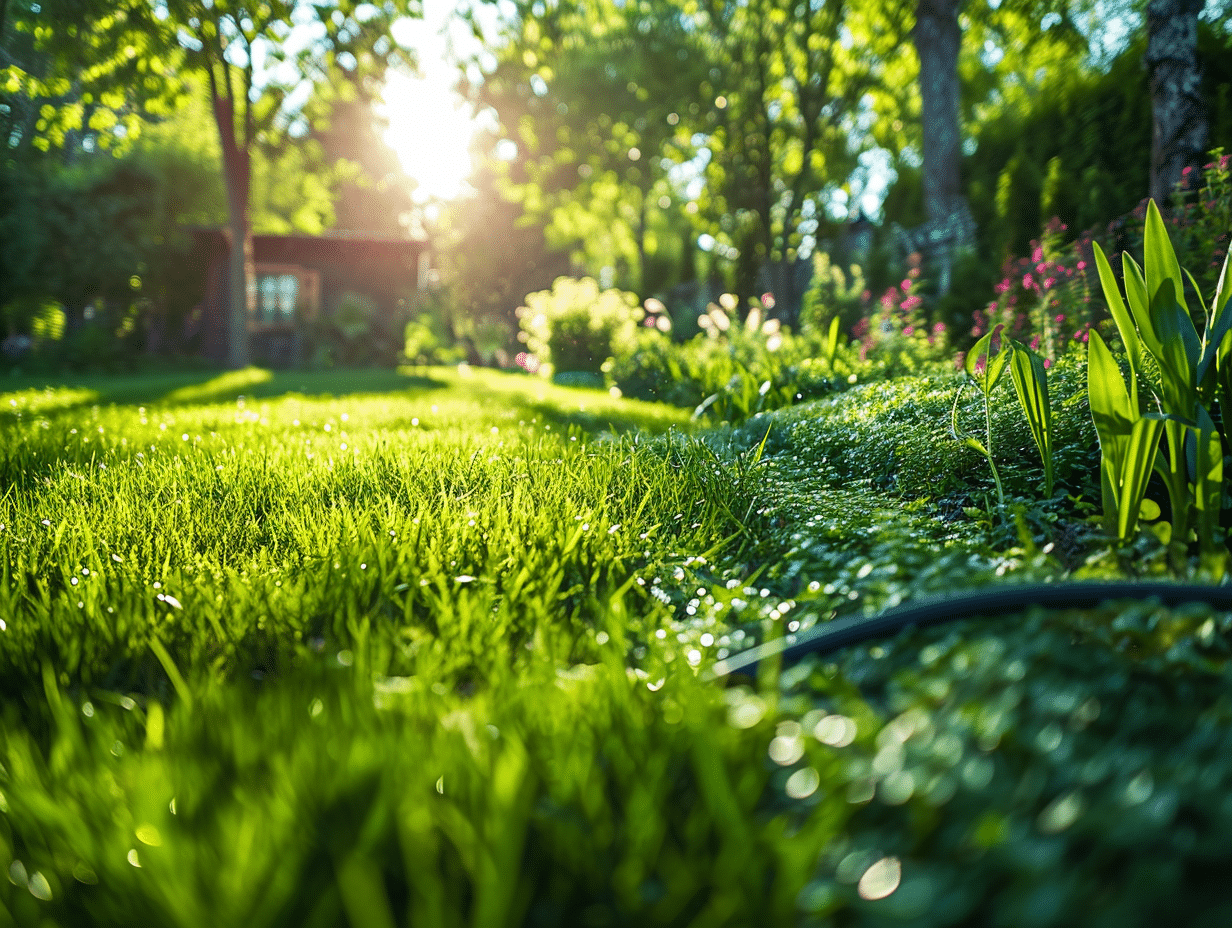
593 95
253 55
1179 134
937 38
790 82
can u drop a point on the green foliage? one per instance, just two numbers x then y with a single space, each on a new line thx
357 334
735 369
984 365
896 336
1157 324
832 296
575 326
1031 384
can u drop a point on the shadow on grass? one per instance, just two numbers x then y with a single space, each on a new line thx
458 390
198 387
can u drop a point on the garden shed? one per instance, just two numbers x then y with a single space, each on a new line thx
302 286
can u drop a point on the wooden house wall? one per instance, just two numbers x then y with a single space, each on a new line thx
384 270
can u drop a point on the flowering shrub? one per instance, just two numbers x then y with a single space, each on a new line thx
731 370
897 338
1202 218
1052 298
1044 300
575 326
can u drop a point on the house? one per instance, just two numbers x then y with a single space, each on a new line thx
356 284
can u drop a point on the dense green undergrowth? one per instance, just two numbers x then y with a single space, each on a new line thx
431 649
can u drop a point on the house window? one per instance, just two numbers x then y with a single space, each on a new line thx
283 296
276 295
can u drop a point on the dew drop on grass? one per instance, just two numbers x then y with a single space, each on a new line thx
785 750
881 879
17 873
1139 789
838 731
746 713
1060 813
133 858
148 834
39 887
803 783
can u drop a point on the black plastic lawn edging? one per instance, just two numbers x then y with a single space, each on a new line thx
988 602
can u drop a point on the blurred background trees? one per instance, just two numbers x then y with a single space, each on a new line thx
675 150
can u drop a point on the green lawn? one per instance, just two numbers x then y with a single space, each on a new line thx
430 648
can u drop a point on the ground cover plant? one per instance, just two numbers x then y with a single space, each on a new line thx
431 648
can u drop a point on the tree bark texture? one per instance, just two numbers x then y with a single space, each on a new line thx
937 39
237 171
1178 112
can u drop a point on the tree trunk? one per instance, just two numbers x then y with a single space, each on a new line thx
1178 113
239 244
238 172
937 39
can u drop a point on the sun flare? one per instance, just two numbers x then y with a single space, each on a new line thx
430 130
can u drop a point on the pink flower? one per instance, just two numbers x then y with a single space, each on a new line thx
1027 282
910 303
1048 282
1047 363
1060 318
1035 343
1082 265
905 285
908 330
1037 255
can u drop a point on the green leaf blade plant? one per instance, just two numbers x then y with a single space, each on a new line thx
831 346
1162 267
1121 316
1114 417
985 367
1193 367
1031 384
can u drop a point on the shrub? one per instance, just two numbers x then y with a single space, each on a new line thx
833 293
575 326
898 338
731 371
